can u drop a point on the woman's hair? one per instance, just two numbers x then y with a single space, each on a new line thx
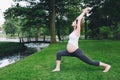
80 23
76 21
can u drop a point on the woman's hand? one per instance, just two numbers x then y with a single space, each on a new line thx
86 10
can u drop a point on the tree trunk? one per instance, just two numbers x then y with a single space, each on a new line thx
52 20
44 38
37 34
36 37
58 32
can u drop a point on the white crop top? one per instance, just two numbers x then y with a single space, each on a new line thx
73 39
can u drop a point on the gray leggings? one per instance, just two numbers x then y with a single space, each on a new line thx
79 54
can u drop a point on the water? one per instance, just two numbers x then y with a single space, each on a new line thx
9 60
38 46
12 59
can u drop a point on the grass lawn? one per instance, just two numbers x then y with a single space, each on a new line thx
39 65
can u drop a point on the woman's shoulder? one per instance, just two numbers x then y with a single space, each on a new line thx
77 33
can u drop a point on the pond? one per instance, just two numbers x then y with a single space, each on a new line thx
12 59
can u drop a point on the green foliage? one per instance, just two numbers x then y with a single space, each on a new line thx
104 13
37 15
26 19
105 33
117 32
9 48
38 18
39 65
9 28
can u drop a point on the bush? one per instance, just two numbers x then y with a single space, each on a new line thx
9 48
117 32
105 33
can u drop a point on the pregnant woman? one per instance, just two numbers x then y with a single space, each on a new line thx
73 49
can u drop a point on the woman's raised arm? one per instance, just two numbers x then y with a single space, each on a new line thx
80 17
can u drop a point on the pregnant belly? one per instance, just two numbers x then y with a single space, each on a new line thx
71 48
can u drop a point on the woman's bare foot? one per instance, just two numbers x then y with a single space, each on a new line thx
55 70
107 68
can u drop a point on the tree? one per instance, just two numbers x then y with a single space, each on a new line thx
46 13
29 19
66 12
9 28
51 5
104 13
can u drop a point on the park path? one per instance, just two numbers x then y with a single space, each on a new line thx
9 40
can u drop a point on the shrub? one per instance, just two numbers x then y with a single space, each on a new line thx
105 33
117 32
9 48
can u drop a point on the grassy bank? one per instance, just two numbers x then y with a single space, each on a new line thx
9 48
39 65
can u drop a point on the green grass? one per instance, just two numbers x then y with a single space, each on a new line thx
39 65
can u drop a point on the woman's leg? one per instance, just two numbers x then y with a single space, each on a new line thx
58 59
57 68
79 54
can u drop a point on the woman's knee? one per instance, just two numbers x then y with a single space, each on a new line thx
58 55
